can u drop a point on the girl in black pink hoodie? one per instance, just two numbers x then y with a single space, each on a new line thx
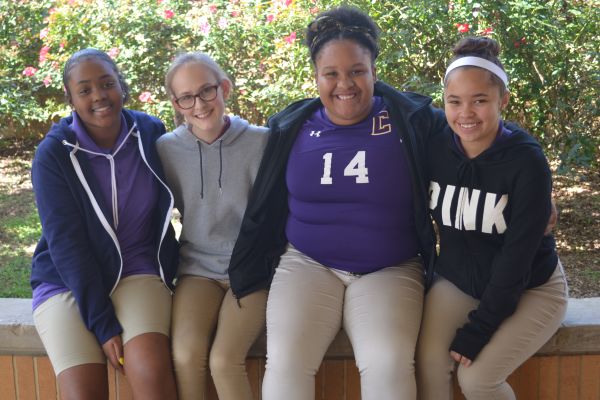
499 291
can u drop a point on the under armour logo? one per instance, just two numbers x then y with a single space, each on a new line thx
315 133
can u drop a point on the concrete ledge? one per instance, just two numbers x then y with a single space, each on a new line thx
579 333
18 335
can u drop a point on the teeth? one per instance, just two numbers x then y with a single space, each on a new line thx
345 97
200 116
102 108
467 126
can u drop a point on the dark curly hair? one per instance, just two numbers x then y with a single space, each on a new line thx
87 54
342 23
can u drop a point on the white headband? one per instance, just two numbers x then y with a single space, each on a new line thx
481 63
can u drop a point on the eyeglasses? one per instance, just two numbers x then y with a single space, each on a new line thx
208 93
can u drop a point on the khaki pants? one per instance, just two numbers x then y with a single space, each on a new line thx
537 317
309 303
142 304
210 329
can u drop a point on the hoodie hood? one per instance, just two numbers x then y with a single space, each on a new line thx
211 184
505 148
184 138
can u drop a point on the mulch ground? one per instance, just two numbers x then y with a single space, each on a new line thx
578 230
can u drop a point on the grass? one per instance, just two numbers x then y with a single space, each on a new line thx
19 227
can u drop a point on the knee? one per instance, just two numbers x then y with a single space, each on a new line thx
386 361
474 384
221 363
432 359
150 370
289 360
190 356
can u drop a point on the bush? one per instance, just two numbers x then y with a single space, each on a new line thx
549 50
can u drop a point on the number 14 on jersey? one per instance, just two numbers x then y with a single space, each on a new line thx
356 167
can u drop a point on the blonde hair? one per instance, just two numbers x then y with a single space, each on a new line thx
198 58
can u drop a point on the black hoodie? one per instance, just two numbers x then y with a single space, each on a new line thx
495 248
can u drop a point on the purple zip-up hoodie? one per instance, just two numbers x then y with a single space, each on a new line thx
78 248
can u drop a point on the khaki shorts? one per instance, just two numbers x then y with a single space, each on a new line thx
142 304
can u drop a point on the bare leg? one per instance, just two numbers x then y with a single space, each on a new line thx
86 381
149 368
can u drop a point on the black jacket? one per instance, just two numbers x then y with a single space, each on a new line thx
262 235
495 248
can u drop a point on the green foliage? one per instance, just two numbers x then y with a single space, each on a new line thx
550 50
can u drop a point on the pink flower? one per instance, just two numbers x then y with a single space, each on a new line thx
463 28
29 71
145 97
487 31
288 2
55 65
270 18
113 52
314 10
222 23
47 81
168 14
62 45
204 25
212 8
159 1
291 38
44 53
235 13
51 11
44 32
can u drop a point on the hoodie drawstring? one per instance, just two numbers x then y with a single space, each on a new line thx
113 178
201 171
202 168
220 165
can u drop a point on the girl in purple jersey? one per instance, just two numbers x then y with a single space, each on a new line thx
340 199
499 292
102 270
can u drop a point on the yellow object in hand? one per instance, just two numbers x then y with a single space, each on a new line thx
121 360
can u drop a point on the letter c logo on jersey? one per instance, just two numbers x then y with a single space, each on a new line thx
381 124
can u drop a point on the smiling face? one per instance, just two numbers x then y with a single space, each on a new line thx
97 97
473 105
345 78
205 117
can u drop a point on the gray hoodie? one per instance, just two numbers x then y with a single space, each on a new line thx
211 184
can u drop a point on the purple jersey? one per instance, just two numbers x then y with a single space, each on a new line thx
350 193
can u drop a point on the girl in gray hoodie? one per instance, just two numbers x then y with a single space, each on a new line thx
210 163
